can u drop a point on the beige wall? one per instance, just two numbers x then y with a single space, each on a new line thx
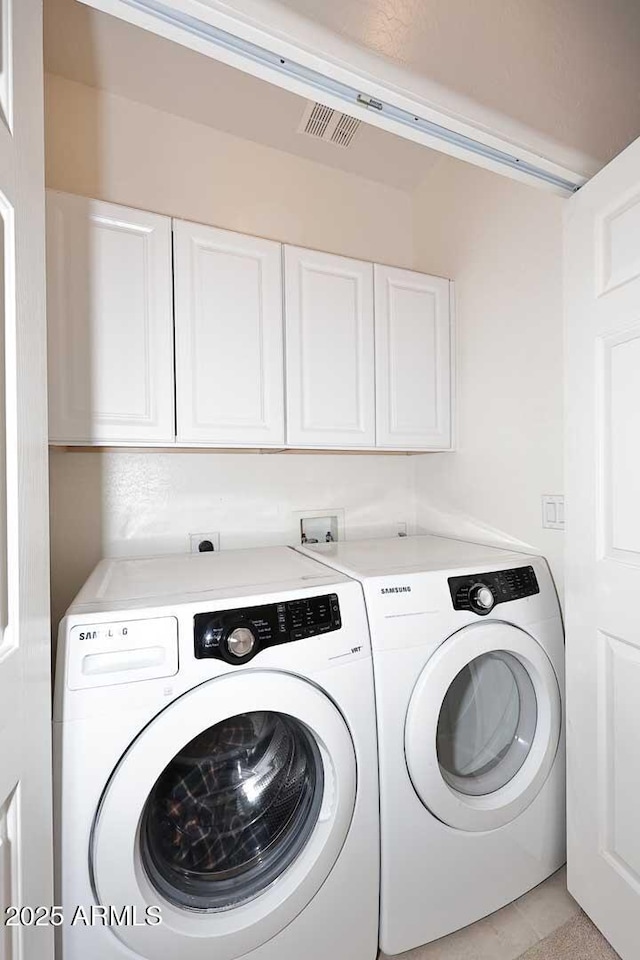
119 504
501 242
104 146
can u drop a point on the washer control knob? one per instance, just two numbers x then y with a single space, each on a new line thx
239 644
481 598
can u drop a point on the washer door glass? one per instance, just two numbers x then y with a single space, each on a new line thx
232 810
487 724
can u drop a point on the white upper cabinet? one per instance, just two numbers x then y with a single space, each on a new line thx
110 323
229 354
413 376
330 350
356 356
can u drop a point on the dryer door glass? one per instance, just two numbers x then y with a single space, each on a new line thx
487 724
232 811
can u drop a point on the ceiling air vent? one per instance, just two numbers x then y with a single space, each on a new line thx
329 125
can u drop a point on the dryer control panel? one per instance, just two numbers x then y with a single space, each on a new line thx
481 592
237 635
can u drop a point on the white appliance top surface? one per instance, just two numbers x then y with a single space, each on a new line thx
378 558
187 576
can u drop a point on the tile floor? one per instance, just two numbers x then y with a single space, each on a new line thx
505 935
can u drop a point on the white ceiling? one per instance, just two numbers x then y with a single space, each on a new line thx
567 69
93 48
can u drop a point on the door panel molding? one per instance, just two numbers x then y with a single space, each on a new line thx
616 264
620 676
618 393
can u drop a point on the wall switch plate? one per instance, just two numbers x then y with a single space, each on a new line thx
553 511
319 526
198 542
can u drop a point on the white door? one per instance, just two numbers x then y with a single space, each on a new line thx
110 320
330 351
602 288
483 726
413 378
25 749
229 354
229 811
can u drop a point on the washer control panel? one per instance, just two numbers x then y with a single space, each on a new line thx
237 635
481 592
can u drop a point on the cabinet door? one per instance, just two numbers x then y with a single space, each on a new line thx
110 323
229 362
413 379
330 352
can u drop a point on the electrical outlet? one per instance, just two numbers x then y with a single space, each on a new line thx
204 542
553 511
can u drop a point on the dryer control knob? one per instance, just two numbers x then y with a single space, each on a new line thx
239 644
481 598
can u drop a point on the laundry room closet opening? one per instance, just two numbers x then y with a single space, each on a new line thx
153 147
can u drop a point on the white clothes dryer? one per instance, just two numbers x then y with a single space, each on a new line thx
468 653
215 753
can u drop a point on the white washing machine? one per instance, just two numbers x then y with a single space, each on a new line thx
215 749
468 653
